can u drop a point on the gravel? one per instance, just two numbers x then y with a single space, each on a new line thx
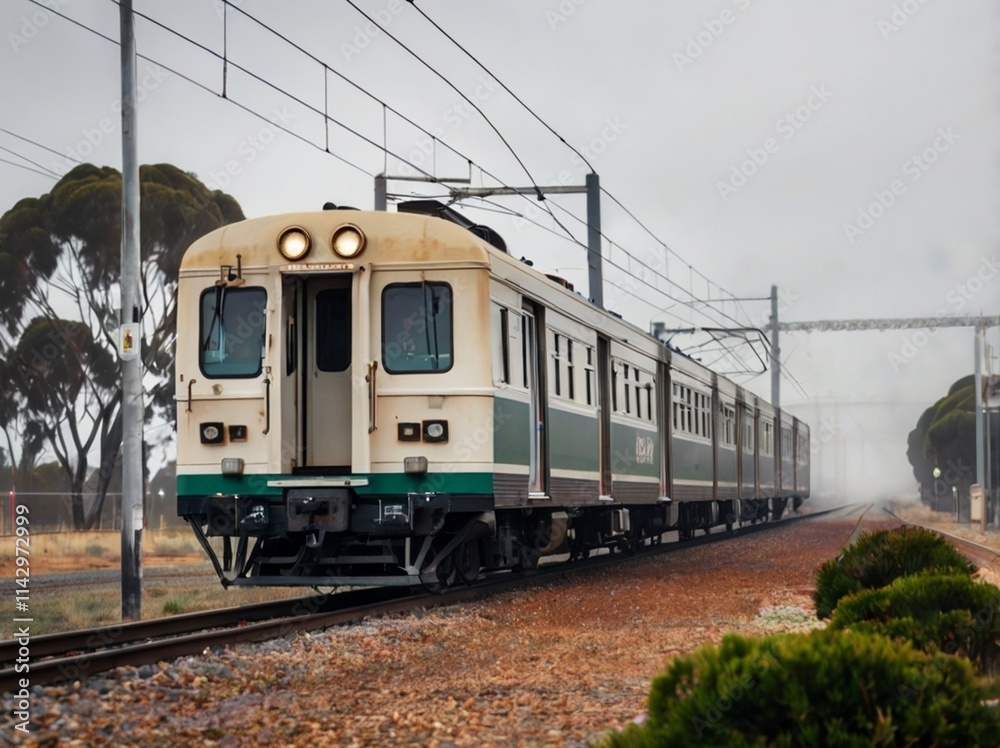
558 664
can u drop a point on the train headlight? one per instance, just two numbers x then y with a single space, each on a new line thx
348 241
435 431
211 433
294 243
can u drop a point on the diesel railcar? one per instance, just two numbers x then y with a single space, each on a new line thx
373 398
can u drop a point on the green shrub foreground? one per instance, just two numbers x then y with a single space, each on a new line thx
954 614
826 688
876 559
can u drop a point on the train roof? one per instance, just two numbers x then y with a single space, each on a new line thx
399 237
411 237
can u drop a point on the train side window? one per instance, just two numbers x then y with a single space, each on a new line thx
500 334
231 331
417 328
570 388
333 329
557 364
589 375
638 396
628 401
614 386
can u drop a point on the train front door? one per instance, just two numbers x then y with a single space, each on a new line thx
326 408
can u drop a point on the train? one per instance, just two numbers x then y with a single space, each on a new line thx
392 398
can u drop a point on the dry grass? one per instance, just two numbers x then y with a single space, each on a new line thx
67 607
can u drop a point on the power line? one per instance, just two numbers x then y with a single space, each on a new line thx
27 168
456 90
384 104
200 85
502 84
33 163
369 141
561 140
39 145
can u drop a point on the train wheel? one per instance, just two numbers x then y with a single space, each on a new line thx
466 559
447 574
527 558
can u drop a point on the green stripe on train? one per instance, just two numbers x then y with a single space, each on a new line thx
634 451
573 442
378 484
512 433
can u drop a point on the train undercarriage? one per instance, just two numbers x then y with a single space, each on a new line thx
431 540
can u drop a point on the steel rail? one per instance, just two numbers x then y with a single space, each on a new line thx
991 555
72 656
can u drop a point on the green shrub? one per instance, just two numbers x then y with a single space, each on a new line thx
828 688
951 613
877 558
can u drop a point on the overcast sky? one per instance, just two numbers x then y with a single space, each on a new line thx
845 152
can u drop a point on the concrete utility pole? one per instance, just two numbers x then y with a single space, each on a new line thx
130 339
980 439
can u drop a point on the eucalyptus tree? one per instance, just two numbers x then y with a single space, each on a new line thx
59 272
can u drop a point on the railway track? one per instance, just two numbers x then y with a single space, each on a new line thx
71 656
983 555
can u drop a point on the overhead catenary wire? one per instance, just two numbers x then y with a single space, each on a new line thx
326 67
46 173
561 139
200 85
694 300
501 83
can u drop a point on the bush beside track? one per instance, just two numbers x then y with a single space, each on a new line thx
897 665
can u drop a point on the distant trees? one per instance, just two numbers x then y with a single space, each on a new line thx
59 297
945 438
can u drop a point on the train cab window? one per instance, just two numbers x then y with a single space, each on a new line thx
333 329
231 331
417 328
